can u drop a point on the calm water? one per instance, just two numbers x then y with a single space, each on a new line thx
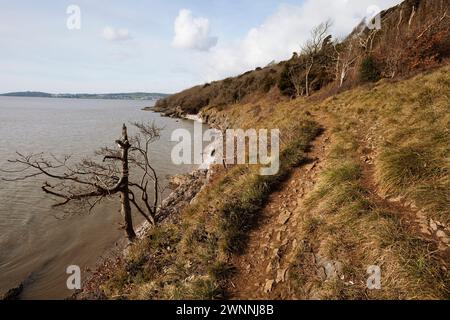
35 247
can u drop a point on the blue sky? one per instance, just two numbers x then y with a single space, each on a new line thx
158 46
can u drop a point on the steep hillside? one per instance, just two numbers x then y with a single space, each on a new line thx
247 87
375 194
414 36
364 182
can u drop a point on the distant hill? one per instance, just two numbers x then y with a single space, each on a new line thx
114 96
28 94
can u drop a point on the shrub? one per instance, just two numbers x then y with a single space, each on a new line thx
285 84
268 83
368 71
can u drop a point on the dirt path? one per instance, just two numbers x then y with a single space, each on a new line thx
263 270
416 220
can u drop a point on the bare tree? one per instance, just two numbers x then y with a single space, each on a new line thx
296 77
86 183
366 38
435 22
312 47
345 56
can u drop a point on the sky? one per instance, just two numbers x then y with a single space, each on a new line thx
110 46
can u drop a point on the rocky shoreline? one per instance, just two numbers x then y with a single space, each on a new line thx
185 188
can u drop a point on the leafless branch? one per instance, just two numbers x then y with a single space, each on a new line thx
88 182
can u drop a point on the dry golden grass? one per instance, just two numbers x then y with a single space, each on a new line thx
342 221
403 127
213 228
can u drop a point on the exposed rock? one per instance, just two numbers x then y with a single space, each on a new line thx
281 275
433 225
178 180
321 273
397 199
281 229
421 215
425 230
13 294
440 224
310 167
284 217
275 253
268 286
441 234
279 236
294 244
187 186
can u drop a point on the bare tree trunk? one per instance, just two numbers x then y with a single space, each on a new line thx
125 192
307 78
342 78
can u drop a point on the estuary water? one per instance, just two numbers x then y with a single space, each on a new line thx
35 246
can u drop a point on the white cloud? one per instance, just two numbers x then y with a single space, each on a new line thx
113 34
285 31
192 32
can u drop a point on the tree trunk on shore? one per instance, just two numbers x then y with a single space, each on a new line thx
89 182
125 192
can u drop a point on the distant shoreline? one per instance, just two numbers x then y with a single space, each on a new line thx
107 96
